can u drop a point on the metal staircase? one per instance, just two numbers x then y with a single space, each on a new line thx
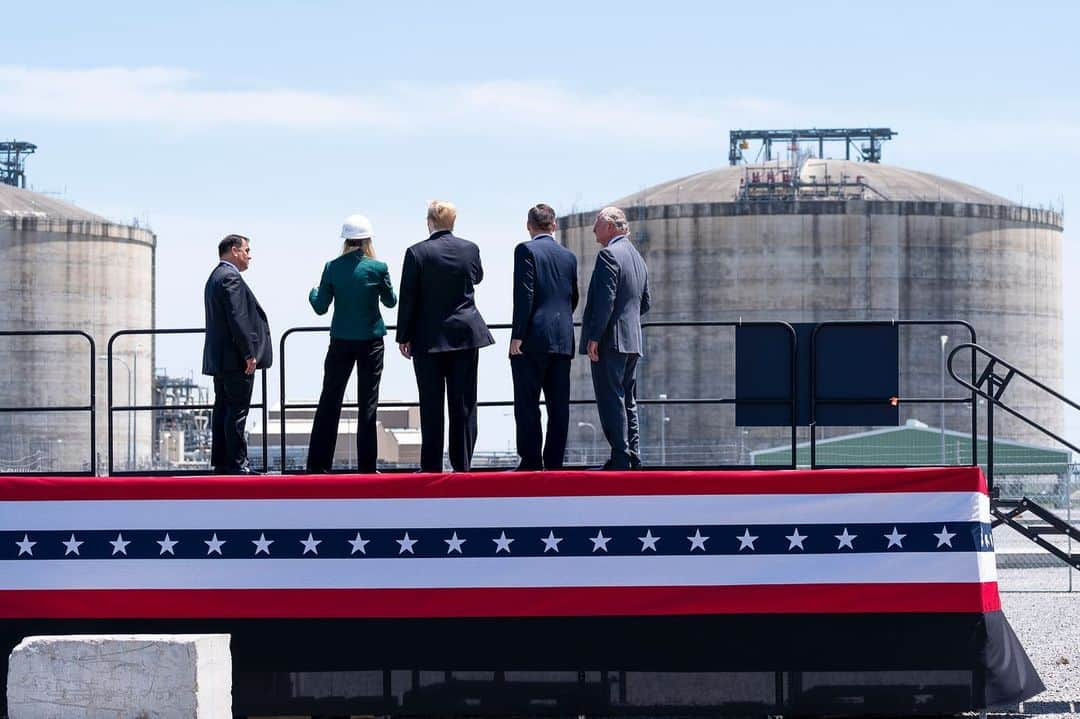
990 384
1007 511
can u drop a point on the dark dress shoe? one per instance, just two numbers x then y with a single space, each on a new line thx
528 468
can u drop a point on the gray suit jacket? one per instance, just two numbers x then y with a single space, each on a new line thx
618 297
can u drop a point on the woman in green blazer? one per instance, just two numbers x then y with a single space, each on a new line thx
355 282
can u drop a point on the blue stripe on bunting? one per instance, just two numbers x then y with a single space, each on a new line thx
451 542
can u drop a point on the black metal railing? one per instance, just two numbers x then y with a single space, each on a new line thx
790 400
990 384
88 408
816 400
114 408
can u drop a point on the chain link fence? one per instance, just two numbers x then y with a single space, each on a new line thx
1023 566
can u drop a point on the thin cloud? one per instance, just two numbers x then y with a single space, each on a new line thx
175 98
166 96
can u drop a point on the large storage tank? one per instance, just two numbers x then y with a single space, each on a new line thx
64 268
832 240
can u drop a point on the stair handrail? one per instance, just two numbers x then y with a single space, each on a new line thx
1007 511
998 385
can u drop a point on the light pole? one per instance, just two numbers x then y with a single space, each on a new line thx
129 377
663 431
944 341
591 426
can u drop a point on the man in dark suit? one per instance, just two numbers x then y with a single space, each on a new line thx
441 330
542 340
237 343
611 334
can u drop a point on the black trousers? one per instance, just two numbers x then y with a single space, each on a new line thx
614 380
449 376
341 357
532 373
232 401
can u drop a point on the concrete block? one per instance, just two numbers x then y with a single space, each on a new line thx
121 676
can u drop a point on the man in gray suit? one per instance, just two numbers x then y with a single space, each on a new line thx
611 334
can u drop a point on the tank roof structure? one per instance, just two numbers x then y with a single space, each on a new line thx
18 203
849 137
862 180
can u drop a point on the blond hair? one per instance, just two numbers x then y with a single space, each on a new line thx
364 246
441 214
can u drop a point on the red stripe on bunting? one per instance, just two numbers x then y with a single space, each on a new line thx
491 484
530 602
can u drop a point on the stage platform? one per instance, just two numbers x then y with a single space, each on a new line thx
712 592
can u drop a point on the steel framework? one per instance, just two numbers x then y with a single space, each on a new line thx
13 160
850 136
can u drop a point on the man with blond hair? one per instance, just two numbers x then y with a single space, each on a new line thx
441 331
611 334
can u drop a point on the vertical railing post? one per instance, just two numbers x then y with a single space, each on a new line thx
1068 514
281 395
109 408
265 424
813 396
974 404
93 406
991 387
793 389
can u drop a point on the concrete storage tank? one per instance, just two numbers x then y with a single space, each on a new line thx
831 240
64 268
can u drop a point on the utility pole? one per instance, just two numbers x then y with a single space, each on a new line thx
663 431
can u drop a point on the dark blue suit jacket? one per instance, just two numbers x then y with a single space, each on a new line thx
236 326
545 296
437 310
618 297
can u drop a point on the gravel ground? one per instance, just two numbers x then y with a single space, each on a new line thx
1048 625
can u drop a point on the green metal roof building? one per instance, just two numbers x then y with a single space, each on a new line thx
916 444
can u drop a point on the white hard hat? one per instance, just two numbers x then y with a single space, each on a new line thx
356 227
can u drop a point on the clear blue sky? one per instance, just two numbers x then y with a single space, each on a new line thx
277 119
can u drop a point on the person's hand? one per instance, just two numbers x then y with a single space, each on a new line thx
249 365
593 350
406 349
515 348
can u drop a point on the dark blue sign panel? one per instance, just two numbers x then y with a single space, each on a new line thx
857 372
763 372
